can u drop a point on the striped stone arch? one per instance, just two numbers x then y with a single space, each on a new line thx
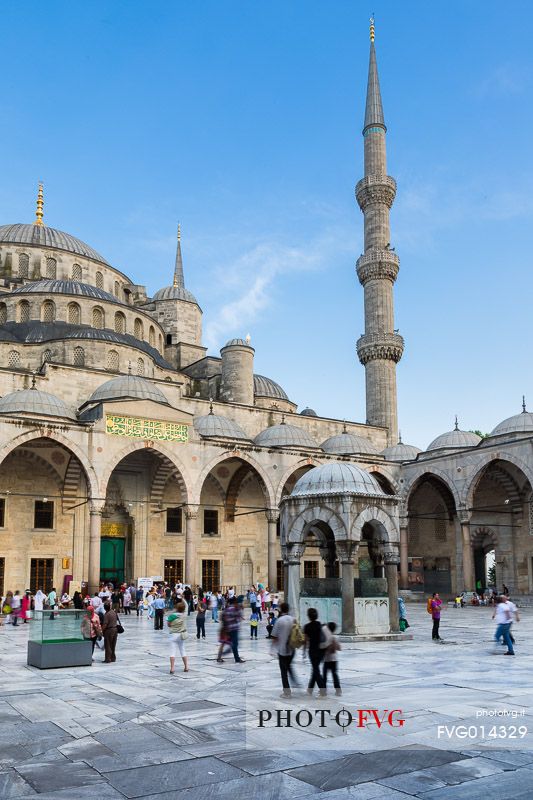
387 474
165 472
59 439
71 484
306 462
155 447
217 486
375 514
483 463
437 473
313 514
42 463
244 457
241 476
480 535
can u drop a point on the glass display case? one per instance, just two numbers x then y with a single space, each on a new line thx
55 639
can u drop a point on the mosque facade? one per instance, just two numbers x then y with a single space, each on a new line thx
127 451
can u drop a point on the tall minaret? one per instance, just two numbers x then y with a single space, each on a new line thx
380 348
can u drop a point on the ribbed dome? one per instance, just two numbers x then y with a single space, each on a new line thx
401 452
175 293
308 412
33 401
215 425
66 287
519 423
238 343
265 387
43 236
345 444
455 439
337 478
284 436
130 387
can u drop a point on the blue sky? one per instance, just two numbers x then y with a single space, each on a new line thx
243 120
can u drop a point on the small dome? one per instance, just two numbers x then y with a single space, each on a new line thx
308 412
43 236
401 452
337 478
284 436
33 401
238 343
215 425
66 287
175 293
455 439
265 387
129 387
346 444
519 423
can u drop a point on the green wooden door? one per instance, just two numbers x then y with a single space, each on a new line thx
112 560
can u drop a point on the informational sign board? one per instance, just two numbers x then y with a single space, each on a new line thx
145 584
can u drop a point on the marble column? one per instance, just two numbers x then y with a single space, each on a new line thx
468 560
190 566
95 529
292 590
272 516
346 552
404 558
391 572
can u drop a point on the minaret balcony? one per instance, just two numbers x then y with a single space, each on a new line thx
378 265
375 189
383 346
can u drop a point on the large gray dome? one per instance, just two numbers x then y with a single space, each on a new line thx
337 478
66 287
284 435
129 387
455 439
175 293
43 236
33 401
265 387
519 423
217 426
401 452
346 444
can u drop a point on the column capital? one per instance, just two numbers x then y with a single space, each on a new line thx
464 516
346 551
272 514
96 506
191 512
294 553
391 557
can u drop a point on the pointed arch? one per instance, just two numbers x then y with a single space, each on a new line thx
375 514
133 447
313 514
428 470
304 462
237 454
482 465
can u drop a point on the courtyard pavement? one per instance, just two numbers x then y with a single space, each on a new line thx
131 730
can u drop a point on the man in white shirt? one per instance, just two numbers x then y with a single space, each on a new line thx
281 634
98 606
504 617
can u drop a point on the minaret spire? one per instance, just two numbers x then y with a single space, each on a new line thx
39 209
381 347
178 269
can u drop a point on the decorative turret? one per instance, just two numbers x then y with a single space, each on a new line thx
381 347
237 379
39 209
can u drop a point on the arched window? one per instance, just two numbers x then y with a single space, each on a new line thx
47 356
74 314
112 361
151 336
24 265
51 268
117 289
3 313
79 357
13 358
138 329
140 366
120 322
98 317
99 280
76 272
48 312
23 311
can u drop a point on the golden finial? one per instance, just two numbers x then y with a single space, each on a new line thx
39 209
372 29
179 232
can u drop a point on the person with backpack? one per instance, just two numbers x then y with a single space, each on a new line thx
433 607
314 646
287 637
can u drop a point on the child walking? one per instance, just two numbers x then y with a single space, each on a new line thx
254 622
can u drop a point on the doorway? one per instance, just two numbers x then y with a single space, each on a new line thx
112 552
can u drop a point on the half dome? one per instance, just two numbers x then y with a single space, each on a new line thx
128 387
337 478
213 425
43 236
284 435
33 401
346 444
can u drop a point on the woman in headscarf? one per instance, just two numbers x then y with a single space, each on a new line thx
90 626
38 600
25 606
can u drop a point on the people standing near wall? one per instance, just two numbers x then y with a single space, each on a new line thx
7 607
213 605
126 601
77 601
39 600
158 606
25 610
16 605
109 629
139 600
90 626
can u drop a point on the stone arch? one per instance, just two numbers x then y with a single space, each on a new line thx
483 464
375 514
481 535
311 515
386 480
424 471
133 447
74 314
165 473
234 487
58 438
310 462
23 311
224 457
42 463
